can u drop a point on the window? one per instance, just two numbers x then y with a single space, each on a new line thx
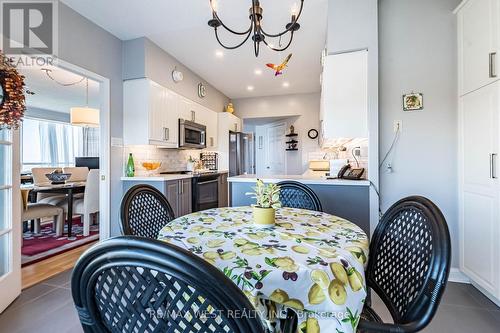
48 143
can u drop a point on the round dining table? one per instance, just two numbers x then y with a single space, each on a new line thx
310 262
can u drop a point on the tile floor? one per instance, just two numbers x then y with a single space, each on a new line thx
47 308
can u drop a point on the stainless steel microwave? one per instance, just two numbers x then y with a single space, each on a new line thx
192 135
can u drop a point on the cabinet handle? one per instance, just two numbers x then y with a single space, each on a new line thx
193 116
492 166
211 142
260 142
166 133
493 69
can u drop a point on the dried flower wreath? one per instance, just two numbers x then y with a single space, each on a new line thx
12 97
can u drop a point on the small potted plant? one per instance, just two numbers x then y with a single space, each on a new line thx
268 199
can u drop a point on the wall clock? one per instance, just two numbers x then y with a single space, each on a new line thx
312 134
202 90
177 76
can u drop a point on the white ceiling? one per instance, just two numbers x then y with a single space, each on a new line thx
180 28
50 95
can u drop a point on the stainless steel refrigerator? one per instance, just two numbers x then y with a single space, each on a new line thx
241 154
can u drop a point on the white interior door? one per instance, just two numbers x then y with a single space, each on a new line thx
10 220
275 149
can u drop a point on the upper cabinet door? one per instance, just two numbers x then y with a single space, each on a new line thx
208 118
478 44
171 121
345 96
157 113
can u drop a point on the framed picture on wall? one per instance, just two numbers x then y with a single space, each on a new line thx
413 102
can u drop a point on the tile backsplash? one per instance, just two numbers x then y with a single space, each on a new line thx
335 153
171 159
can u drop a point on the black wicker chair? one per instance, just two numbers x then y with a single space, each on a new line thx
133 284
144 212
409 265
296 195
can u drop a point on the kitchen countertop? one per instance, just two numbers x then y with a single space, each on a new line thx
163 178
308 180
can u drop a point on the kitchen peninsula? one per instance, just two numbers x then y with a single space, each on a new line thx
348 199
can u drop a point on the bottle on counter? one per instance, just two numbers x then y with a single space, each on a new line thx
130 171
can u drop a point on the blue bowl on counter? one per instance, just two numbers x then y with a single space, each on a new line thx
58 178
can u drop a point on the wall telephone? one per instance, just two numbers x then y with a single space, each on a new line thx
347 172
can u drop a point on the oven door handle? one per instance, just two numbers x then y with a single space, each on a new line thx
208 182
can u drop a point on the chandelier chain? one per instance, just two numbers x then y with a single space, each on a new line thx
49 75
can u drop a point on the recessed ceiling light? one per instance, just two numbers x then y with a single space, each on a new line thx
250 88
258 72
219 54
286 84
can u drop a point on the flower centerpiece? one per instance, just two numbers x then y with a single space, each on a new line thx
267 201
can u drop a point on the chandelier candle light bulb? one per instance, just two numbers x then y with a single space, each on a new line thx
259 35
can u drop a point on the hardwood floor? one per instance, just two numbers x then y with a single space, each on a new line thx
45 269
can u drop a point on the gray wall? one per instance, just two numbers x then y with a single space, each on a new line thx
86 45
418 53
353 25
302 111
143 58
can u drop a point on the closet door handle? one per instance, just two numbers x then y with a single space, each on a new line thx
493 166
492 66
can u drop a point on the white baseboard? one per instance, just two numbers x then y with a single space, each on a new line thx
457 276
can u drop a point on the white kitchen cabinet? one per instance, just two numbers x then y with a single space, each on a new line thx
479 192
479 141
208 118
229 122
344 96
478 43
148 114
185 107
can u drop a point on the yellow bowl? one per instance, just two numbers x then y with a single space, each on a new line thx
151 166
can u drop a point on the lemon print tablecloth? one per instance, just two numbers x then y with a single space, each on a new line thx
310 262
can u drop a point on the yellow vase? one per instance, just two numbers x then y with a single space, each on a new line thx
264 216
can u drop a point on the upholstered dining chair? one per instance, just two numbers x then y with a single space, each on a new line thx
88 205
134 284
297 195
145 211
37 211
78 174
409 264
39 178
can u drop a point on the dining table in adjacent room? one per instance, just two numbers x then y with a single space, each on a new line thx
69 189
310 262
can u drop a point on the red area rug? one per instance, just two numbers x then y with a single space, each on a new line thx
41 246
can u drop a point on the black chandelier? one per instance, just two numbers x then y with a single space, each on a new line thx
255 30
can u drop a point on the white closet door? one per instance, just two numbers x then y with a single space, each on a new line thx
479 192
478 44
